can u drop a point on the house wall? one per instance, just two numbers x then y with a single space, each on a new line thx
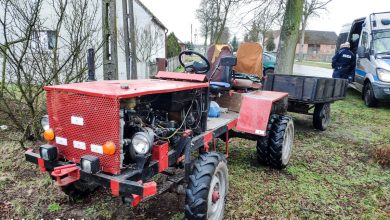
327 49
142 18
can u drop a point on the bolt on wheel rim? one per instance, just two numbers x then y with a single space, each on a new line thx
287 144
325 115
216 198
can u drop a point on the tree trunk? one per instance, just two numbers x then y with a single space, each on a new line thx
302 44
289 37
133 42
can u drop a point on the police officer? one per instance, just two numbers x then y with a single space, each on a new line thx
344 62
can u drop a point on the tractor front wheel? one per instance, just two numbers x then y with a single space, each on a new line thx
281 138
207 188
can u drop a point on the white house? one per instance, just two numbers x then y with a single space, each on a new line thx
151 34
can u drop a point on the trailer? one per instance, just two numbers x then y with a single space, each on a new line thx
308 92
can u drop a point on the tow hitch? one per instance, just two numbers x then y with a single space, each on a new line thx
66 174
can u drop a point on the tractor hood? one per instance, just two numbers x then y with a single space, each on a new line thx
127 88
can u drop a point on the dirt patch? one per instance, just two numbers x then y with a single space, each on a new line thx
382 155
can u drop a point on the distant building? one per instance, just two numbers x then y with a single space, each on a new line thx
318 45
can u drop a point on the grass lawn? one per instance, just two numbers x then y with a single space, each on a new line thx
315 64
332 175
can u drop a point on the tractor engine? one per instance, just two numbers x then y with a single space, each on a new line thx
158 118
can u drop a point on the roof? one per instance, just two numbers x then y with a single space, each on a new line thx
320 37
112 89
154 18
315 37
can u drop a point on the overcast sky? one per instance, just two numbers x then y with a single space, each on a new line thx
178 15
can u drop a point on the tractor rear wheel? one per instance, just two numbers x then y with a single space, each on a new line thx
281 139
207 188
79 189
262 143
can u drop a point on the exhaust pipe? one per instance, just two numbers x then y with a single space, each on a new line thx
91 65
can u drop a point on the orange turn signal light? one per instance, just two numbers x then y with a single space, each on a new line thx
49 135
109 148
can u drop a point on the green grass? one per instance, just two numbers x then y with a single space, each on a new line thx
332 175
315 64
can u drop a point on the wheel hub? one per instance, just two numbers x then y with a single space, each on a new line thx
215 196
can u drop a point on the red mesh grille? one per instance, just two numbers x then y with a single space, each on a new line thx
100 118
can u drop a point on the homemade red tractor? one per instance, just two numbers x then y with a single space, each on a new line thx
121 134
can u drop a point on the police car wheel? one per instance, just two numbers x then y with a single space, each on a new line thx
369 97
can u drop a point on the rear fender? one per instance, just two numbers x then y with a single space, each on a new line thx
256 108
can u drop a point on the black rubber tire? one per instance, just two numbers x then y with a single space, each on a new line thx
206 167
321 116
262 143
79 189
368 96
282 129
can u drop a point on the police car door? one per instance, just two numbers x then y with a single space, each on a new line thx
363 64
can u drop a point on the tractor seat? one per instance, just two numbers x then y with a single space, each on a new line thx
221 80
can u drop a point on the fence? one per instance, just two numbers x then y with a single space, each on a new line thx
317 57
173 64
146 70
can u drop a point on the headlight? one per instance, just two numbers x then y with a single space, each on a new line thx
48 152
383 75
90 164
142 142
45 122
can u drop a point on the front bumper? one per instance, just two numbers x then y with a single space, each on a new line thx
381 91
118 184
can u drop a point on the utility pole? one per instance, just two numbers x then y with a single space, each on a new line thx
130 39
191 37
110 38
133 42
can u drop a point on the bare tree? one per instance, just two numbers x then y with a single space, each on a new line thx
266 14
213 15
289 37
149 42
36 54
310 8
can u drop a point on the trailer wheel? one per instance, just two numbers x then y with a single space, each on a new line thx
78 189
321 116
369 97
262 143
281 140
207 188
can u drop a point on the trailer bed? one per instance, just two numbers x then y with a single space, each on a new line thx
307 89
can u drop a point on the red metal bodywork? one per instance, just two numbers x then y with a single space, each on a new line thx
97 104
255 110
112 89
160 154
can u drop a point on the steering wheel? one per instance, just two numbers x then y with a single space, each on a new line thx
195 66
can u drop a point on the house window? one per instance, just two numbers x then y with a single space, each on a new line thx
44 40
313 49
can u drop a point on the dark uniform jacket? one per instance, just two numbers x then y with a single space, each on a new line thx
343 63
